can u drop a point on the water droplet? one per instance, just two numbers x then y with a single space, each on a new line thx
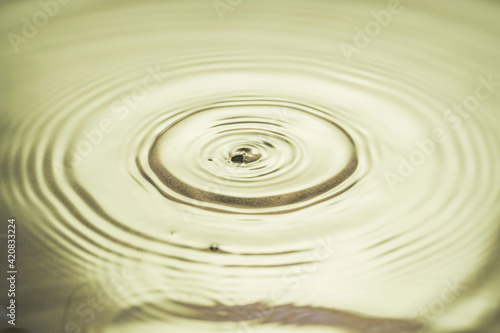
238 159
245 155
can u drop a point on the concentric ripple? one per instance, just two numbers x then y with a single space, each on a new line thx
241 155
225 176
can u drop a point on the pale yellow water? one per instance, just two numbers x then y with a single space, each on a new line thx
268 166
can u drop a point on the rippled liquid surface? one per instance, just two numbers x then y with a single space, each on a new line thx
269 172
